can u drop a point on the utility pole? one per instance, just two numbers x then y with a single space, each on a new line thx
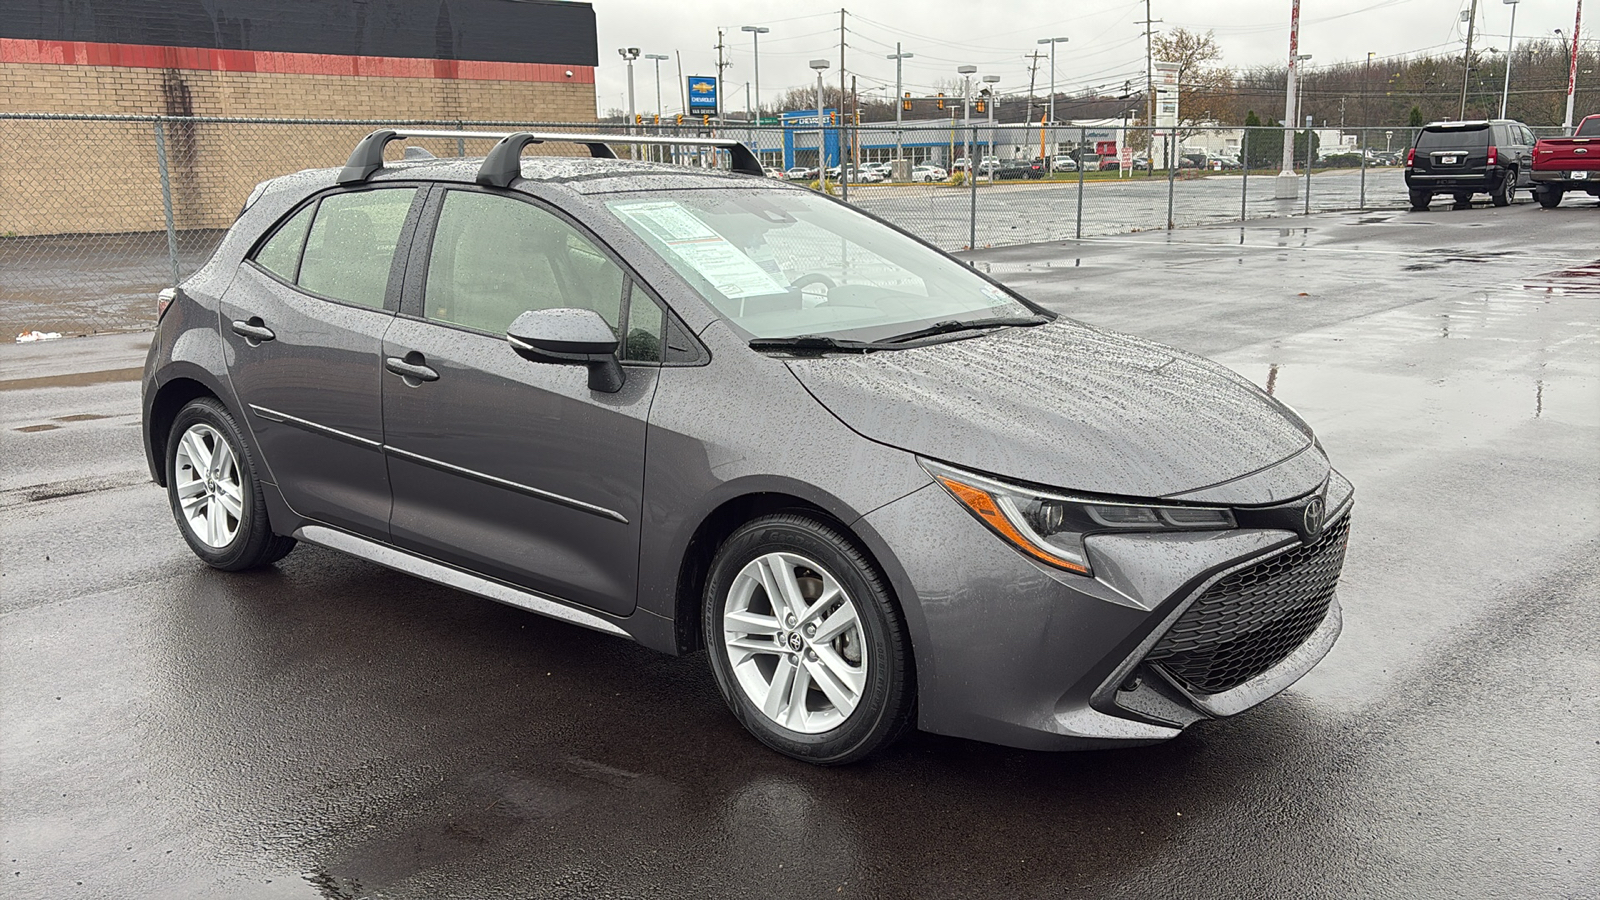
844 179
756 31
1150 79
899 105
1033 71
1466 62
1366 116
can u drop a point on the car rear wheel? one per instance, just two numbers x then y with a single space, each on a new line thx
1549 198
1507 190
215 492
1420 200
806 643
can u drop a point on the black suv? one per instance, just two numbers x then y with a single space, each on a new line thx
1466 158
1013 169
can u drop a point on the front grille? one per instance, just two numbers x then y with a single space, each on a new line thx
1251 620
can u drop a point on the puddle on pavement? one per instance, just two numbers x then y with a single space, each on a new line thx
1579 280
33 429
76 379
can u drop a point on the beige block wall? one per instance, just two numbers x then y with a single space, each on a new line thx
66 177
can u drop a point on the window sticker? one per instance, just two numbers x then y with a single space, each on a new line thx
734 274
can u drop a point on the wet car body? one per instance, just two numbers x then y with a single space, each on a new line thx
1169 629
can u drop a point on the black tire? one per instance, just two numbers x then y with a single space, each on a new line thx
253 544
1420 200
1463 201
887 702
1549 198
1506 191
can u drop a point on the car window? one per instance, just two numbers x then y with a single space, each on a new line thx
1453 138
1589 127
495 258
646 327
351 246
1528 136
280 255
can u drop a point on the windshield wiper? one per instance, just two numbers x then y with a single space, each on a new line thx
953 325
818 342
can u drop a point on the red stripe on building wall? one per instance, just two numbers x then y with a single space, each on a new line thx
145 56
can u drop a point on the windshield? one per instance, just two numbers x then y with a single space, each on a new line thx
778 263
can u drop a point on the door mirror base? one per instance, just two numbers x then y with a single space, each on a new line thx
573 337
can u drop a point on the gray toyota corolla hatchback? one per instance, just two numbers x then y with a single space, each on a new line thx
704 410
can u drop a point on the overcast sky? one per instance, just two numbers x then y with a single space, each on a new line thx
1105 44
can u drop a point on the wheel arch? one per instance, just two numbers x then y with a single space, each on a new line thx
721 522
172 396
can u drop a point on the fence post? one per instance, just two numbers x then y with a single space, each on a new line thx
1310 155
1244 167
461 143
1172 170
166 196
1083 136
1362 203
972 183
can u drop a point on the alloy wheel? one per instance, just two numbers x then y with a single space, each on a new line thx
794 642
210 491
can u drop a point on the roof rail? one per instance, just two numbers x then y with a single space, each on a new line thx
504 163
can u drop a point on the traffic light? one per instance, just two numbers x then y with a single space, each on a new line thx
705 120
905 102
941 100
638 119
978 105
680 118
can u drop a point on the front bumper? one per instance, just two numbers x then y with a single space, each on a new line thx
1012 652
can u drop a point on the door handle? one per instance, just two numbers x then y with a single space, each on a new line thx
254 331
413 372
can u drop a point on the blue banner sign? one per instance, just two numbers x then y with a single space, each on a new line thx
703 94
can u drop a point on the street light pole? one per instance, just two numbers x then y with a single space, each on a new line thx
821 65
1511 44
966 117
1285 187
657 58
630 54
899 99
756 31
1053 41
991 81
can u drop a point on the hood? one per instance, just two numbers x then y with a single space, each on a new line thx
1072 407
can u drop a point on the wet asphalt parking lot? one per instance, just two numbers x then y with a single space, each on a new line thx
328 728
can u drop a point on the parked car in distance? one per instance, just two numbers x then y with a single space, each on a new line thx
774 173
1092 162
1461 159
959 165
453 368
928 173
1567 164
866 175
800 173
1015 169
1063 163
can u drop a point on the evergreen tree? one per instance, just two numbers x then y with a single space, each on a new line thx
1416 117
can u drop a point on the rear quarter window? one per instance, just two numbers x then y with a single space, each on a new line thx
280 255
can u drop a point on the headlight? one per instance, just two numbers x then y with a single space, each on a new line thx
1051 527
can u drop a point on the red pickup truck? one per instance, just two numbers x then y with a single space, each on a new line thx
1567 164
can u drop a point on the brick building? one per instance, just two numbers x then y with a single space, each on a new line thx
436 60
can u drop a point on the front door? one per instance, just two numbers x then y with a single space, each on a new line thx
513 469
304 323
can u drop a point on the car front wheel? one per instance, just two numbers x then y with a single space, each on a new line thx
806 643
215 492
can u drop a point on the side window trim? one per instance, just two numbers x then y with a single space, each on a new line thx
397 263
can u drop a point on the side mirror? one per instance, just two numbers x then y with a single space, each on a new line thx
573 337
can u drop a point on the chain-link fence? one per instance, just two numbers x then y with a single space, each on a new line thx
98 213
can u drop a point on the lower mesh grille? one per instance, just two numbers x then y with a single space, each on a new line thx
1250 621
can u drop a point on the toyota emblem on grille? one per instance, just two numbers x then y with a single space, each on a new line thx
1315 509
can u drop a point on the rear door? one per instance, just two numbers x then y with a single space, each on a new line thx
1452 151
304 322
509 468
